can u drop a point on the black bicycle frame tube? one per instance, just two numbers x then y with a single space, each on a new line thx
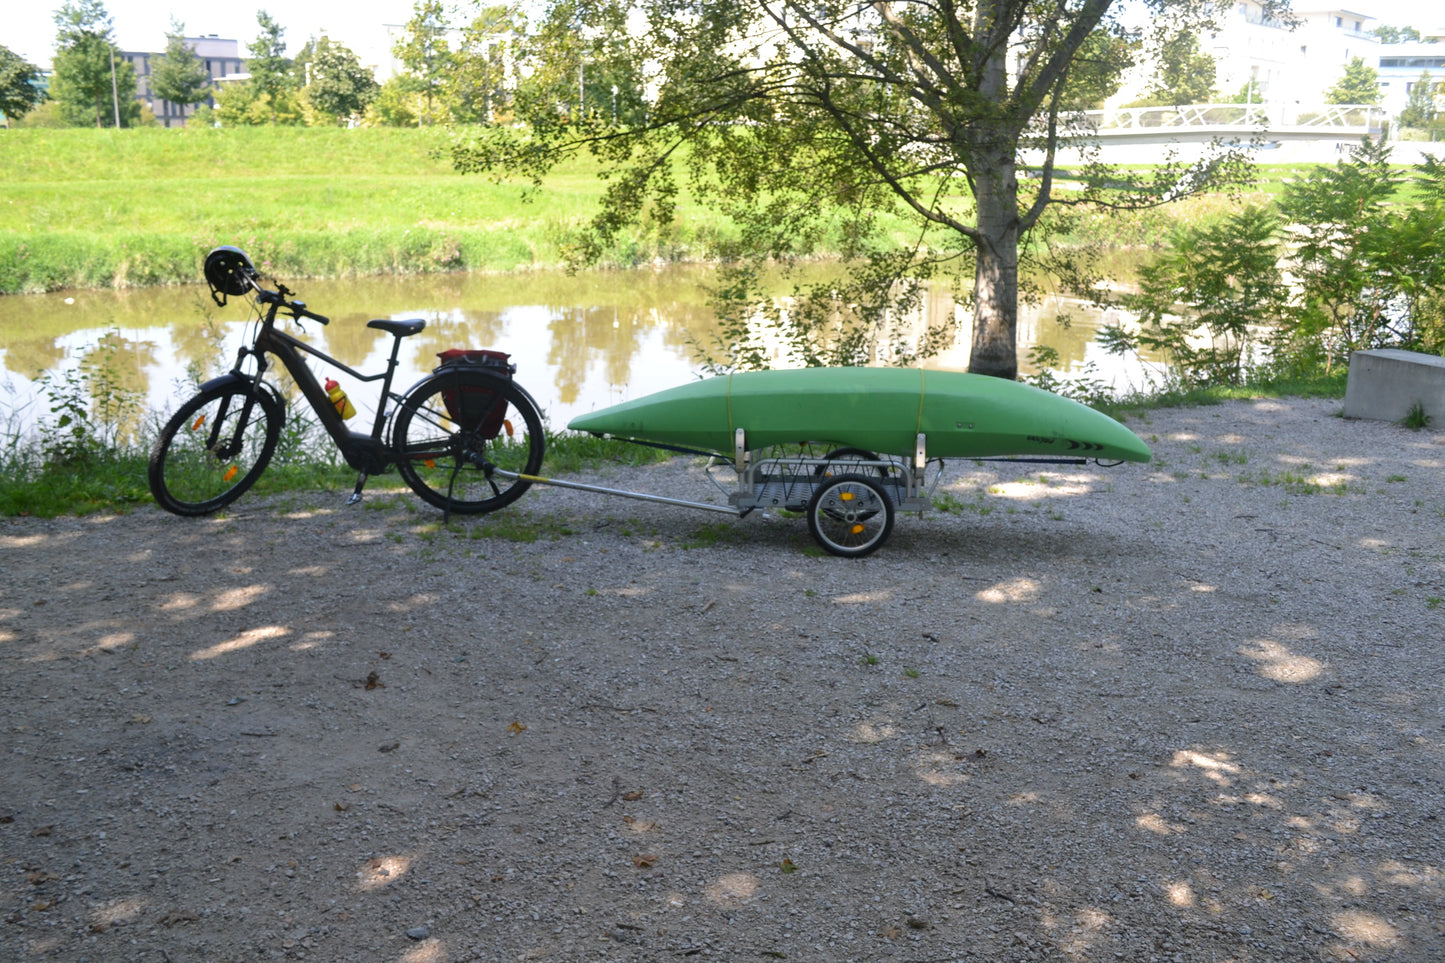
288 349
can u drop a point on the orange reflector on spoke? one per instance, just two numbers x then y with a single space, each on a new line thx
845 496
230 473
507 423
198 422
856 529
429 462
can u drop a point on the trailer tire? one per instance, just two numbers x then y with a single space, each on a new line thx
850 516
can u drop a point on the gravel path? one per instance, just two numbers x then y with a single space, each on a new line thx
1187 711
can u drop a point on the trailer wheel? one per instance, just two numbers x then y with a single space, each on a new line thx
850 516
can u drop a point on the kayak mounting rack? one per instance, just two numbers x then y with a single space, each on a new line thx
853 491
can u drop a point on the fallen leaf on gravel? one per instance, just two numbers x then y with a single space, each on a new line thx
389 747
788 866
516 727
639 825
892 931
140 720
373 681
341 807
644 860
42 830
633 796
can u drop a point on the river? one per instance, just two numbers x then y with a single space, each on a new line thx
579 342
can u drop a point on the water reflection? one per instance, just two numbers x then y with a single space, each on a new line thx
579 342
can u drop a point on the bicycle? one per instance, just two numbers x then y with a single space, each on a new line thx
462 438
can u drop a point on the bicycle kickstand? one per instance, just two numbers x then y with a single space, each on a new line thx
355 498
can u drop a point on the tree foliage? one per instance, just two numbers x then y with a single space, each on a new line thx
91 82
1366 259
19 92
339 86
1359 84
806 119
179 75
1365 262
272 81
1419 110
426 56
1227 276
1391 34
477 84
1185 76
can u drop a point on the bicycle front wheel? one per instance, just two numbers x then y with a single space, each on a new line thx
214 448
462 438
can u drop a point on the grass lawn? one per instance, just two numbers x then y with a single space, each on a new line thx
96 208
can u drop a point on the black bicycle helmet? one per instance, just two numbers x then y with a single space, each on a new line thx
229 272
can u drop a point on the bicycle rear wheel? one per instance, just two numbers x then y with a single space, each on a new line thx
458 431
214 448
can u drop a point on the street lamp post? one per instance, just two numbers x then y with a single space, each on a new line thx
114 90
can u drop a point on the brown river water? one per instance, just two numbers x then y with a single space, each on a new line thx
579 342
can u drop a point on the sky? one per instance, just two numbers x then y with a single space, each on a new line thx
28 26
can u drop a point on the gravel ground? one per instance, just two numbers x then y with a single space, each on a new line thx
1189 711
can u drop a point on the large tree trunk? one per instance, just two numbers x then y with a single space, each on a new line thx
992 159
996 275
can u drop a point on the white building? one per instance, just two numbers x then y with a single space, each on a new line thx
1290 66
1401 65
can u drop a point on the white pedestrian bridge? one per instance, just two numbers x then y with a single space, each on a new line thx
1280 133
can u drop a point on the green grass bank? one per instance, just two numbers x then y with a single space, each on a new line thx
119 208
88 208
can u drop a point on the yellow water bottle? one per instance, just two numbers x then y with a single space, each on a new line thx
343 404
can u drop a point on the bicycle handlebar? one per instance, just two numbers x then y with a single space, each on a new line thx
297 308
298 311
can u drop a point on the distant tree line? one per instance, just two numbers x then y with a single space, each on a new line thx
488 64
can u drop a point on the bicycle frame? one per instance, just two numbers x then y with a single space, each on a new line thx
366 453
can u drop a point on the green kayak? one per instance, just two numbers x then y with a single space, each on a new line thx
879 409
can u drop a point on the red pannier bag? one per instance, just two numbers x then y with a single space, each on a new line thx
477 407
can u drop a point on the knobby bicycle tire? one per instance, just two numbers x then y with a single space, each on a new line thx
456 429
214 448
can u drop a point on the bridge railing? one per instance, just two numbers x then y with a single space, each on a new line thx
1341 117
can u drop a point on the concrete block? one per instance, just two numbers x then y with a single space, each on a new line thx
1386 383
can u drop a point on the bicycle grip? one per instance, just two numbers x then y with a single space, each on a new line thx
298 310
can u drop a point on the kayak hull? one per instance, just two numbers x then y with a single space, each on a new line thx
879 409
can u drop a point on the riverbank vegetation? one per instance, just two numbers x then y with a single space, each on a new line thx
110 208
130 208
1279 284
84 461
